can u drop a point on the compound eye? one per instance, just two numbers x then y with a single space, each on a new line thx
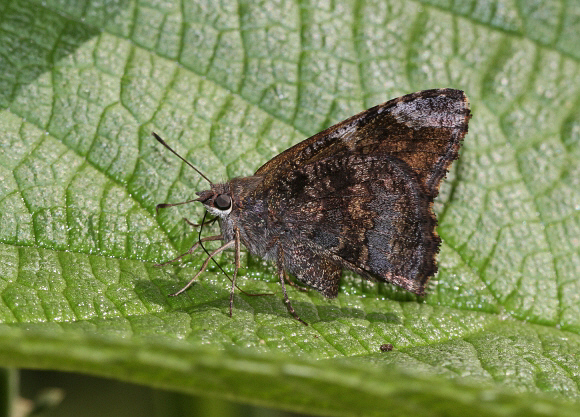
223 202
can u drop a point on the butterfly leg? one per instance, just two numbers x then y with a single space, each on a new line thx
192 249
199 224
282 275
293 284
206 262
237 266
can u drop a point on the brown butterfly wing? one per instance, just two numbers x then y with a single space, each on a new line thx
423 129
359 194
366 213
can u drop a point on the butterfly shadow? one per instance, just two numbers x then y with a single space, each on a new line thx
204 296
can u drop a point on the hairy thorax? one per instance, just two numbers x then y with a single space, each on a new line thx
250 216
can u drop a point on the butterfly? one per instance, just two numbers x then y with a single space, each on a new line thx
357 196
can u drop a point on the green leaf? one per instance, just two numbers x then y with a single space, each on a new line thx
230 84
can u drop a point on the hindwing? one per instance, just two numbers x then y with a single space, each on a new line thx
367 213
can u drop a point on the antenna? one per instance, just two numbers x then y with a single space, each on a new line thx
161 141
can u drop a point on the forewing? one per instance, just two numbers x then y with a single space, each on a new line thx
423 129
367 213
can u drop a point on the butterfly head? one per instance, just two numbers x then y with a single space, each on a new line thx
217 201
